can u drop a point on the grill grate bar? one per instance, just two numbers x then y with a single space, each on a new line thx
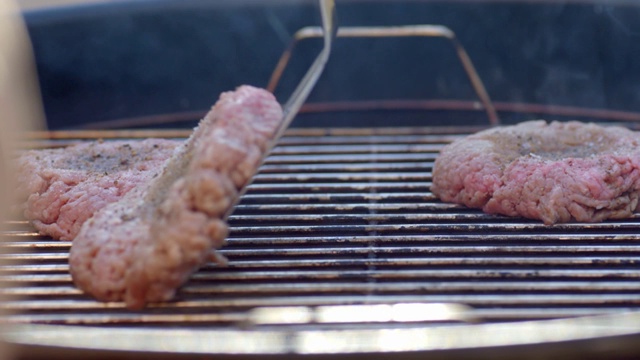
348 158
355 177
426 287
423 249
357 149
412 238
327 208
570 276
336 197
350 229
38 278
368 140
345 168
330 187
462 260
438 238
420 273
610 240
258 220
59 273
216 274
431 228
127 318
35 267
46 291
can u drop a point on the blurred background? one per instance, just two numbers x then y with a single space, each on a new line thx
20 110
130 59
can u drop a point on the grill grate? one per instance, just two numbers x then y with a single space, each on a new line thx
345 217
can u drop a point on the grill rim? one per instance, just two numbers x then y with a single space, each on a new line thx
618 332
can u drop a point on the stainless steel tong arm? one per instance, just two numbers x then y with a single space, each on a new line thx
302 91
300 94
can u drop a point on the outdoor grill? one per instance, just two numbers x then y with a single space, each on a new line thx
340 217
338 249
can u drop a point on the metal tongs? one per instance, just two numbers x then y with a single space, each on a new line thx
300 94
302 91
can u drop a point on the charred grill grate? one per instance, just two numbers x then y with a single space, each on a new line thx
345 217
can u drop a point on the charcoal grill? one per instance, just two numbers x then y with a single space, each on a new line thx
339 250
344 217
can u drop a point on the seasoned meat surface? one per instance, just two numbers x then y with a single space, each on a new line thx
143 247
62 188
557 172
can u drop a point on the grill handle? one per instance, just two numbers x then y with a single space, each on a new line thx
396 31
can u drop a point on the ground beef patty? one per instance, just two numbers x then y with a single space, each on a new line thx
143 247
556 172
62 188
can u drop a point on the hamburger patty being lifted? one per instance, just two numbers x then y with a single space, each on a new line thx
62 188
143 247
556 172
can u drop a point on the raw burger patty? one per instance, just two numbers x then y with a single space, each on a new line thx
143 247
556 172
61 188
